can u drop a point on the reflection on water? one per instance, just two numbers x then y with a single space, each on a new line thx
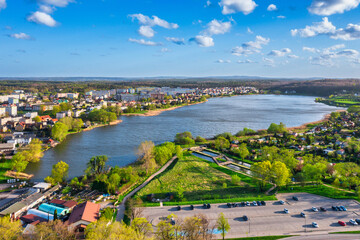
216 116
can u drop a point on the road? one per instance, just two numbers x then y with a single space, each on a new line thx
271 219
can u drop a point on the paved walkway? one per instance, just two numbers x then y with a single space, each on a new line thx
121 206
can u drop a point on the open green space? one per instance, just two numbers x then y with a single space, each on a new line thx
192 180
5 166
349 232
321 190
262 238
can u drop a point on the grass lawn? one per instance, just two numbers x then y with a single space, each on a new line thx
3 168
349 232
262 238
200 181
320 190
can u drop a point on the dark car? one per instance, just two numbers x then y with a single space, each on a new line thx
208 206
334 208
323 209
172 221
357 220
263 203
178 208
343 208
259 203
204 206
229 205
243 204
295 198
234 204
245 218
338 208
191 207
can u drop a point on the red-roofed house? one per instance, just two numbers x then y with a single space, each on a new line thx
45 118
31 218
64 204
84 214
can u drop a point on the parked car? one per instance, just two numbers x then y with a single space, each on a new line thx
286 210
243 204
204 205
334 208
338 208
314 224
247 204
178 208
302 214
353 222
229 205
208 206
323 209
295 198
254 203
357 220
263 203
258 203
343 208
314 209
342 223
245 218
234 204
191 207
281 202
172 221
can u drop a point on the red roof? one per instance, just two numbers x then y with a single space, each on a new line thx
46 117
68 204
86 211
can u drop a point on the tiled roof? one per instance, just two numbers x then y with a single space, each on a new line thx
87 211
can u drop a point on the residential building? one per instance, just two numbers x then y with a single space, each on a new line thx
84 214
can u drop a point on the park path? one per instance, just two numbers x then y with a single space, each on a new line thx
121 206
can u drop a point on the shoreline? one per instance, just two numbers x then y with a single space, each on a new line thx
157 112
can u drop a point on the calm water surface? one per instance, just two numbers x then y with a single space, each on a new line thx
216 116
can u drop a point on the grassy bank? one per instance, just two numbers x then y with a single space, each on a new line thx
5 166
262 238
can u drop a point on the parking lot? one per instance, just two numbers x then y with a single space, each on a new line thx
271 219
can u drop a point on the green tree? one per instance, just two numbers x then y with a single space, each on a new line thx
10 230
243 151
55 215
146 156
34 152
59 131
19 162
280 173
142 226
222 225
37 119
96 165
221 143
262 171
235 179
55 110
59 173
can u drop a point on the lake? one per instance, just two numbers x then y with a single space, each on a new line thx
216 116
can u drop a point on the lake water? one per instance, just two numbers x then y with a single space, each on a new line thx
216 116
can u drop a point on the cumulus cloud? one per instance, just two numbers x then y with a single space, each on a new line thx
329 7
234 6
324 27
222 61
216 27
293 56
250 47
351 32
2 4
146 31
56 3
178 41
20 36
281 17
247 61
147 24
144 42
272 7
279 53
309 49
46 9
42 18
269 62
203 41
348 53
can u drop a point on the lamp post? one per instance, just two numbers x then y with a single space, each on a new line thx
305 224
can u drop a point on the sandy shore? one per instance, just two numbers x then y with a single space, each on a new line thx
102 125
156 112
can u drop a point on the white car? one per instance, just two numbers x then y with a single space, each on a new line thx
254 203
281 202
314 209
303 214
353 222
286 210
315 225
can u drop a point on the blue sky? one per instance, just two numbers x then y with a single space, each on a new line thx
146 38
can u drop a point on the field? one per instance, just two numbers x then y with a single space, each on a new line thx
200 180
3 168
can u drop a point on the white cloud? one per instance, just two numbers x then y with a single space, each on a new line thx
351 32
2 4
272 7
20 36
332 55
281 17
178 41
46 9
293 56
208 3
203 41
324 27
246 61
154 21
223 61
348 53
309 49
146 31
251 47
56 3
234 6
216 27
279 53
249 31
165 50
42 18
269 62
144 42
329 7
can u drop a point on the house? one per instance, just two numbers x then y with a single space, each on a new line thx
30 218
50 209
20 127
84 214
7 147
60 115
11 110
31 115
64 204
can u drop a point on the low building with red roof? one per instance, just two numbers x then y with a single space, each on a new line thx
84 214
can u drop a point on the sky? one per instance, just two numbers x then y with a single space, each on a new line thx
192 38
